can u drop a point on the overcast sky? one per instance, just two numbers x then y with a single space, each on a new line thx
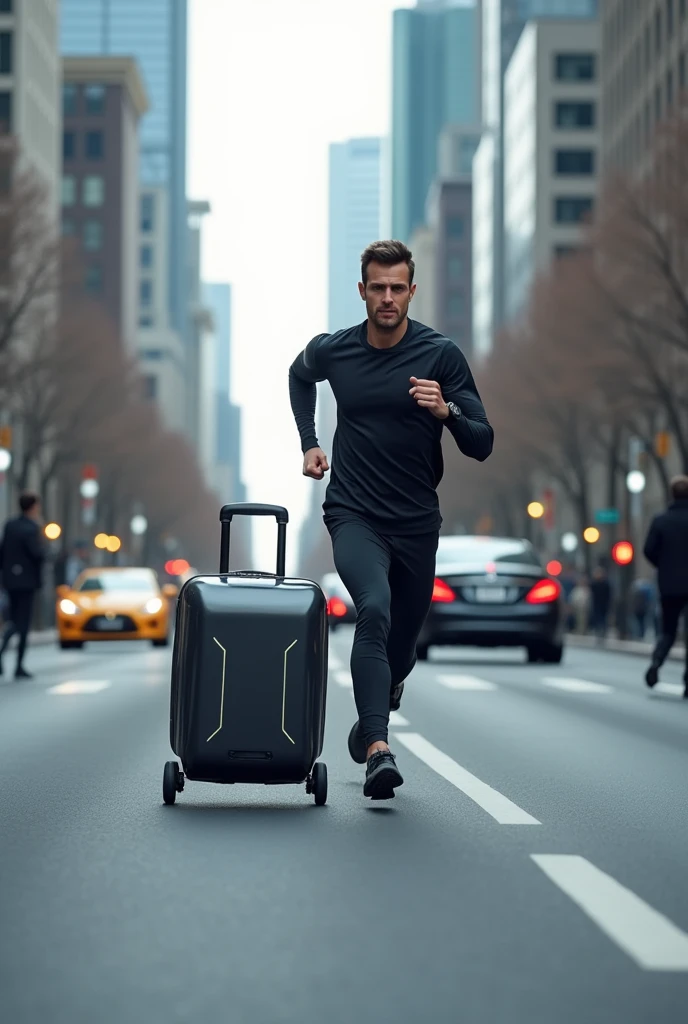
271 84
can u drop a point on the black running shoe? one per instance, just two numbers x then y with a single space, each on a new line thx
358 748
382 776
652 676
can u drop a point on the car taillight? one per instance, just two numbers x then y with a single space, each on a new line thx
543 592
442 591
336 607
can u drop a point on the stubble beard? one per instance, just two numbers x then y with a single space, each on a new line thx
384 324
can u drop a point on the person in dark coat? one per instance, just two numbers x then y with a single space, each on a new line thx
21 562
601 600
666 548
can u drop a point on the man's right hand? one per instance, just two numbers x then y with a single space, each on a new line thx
315 463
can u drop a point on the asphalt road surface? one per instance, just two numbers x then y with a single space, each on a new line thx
533 868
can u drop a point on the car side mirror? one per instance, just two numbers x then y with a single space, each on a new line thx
169 590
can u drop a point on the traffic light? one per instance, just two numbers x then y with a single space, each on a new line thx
622 552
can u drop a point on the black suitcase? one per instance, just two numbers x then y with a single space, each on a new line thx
249 674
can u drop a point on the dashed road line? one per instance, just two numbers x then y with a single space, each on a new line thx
576 685
648 937
74 686
496 804
461 682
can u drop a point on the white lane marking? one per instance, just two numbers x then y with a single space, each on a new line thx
673 688
398 720
497 805
72 686
453 682
344 679
576 685
649 938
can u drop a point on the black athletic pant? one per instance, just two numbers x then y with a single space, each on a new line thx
390 580
671 614
19 621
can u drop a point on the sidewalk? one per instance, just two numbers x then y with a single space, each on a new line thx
643 648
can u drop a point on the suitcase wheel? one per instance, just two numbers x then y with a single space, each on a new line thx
172 782
317 783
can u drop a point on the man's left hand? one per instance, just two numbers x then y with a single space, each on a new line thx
428 393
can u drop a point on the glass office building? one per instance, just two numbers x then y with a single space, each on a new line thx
436 82
502 25
155 33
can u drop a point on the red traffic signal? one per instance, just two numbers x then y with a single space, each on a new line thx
177 567
622 552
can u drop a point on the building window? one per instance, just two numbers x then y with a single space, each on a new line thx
68 228
94 99
574 161
574 115
658 31
658 103
150 388
68 190
5 53
93 190
455 304
5 113
682 71
454 227
147 212
69 98
5 179
572 209
670 89
93 235
670 18
575 67
146 292
454 269
146 256
94 279
94 145
68 145
682 8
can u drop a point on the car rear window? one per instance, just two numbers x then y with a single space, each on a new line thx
453 550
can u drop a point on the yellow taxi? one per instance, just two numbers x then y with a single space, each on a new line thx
114 604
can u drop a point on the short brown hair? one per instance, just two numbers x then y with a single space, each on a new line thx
679 487
388 254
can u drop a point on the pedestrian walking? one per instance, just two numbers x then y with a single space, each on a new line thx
21 562
398 385
600 602
666 548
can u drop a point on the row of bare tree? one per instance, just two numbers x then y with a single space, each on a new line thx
600 355
73 394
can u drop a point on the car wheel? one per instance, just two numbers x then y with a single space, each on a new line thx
165 642
534 655
422 651
71 645
553 654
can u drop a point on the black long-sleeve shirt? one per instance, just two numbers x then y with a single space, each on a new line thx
386 462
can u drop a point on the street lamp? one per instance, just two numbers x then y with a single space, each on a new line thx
53 531
569 542
635 481
101 541
89 489
5 460
113 544
536 510
591 535
138 525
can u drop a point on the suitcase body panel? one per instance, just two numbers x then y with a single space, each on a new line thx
249 678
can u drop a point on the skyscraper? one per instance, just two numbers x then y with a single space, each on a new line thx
502 24
436 82
155 33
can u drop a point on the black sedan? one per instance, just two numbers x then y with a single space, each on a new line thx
494 592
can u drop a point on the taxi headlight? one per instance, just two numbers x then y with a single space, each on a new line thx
68 607
153 606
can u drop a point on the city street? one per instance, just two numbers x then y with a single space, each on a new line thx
531 869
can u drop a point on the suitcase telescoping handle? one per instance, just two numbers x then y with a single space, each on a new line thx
247 508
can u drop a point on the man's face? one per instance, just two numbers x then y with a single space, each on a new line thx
387 295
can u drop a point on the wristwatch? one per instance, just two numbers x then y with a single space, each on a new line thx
454 410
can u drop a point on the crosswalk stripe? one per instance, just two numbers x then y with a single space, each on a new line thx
344 679
649 938
674 688
496 804
460 682
73 686
576 685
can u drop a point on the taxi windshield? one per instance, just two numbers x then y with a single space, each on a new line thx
117 582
